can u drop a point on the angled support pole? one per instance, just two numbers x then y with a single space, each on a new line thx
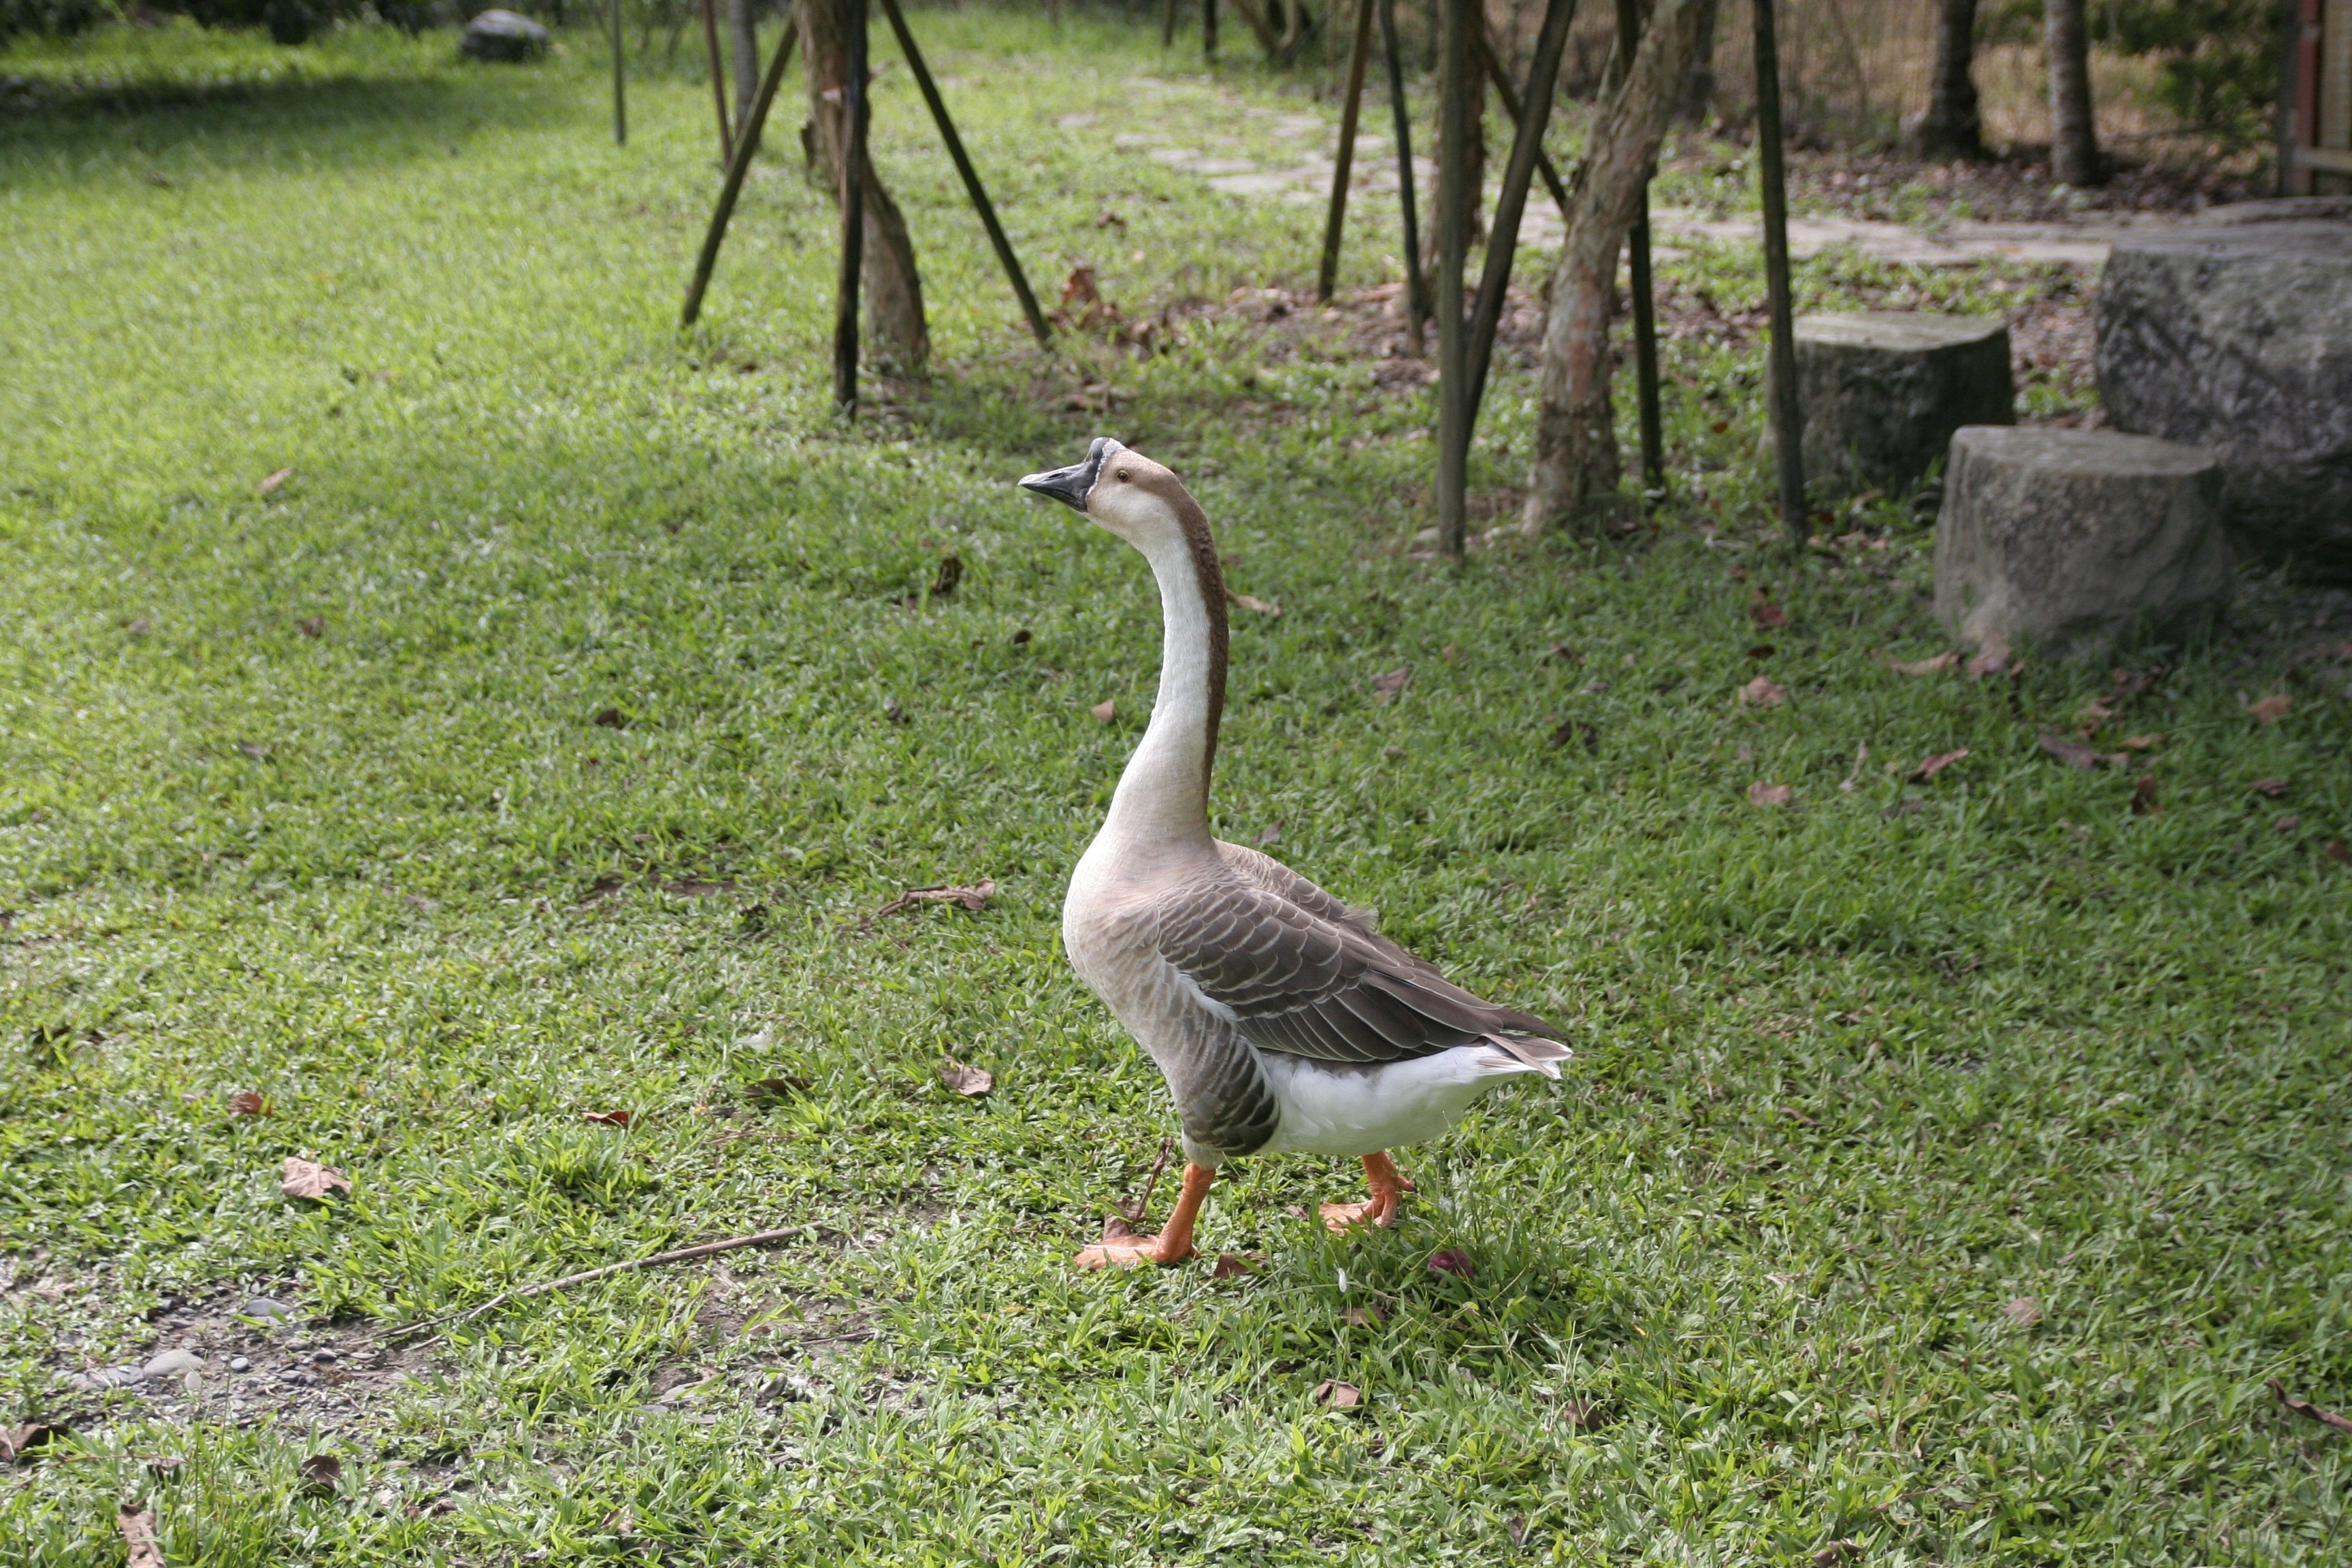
719 81
1512 107
1503 235
1328 278
971 177
855 116
1453 199
732 187
620 87
1416 292
1645 313
1788 419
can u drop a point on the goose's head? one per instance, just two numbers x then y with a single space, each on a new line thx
1124 493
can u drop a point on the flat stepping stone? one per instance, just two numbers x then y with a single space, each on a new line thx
2073 542
1881 392
2235 334
503 36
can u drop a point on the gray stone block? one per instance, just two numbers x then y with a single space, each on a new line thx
2072 541
503 36
1882 393
2235 335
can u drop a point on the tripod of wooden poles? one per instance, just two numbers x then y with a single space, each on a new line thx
1466 348
857 114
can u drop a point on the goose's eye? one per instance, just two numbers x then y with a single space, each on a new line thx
1124 476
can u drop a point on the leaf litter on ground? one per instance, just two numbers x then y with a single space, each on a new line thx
309 1179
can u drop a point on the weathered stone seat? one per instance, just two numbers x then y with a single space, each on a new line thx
2235 334
503 36
1882 393
2072 541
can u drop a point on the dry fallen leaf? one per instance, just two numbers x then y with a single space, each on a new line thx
1582 729
609 1118
2269 789
2143 800
2073 752
2273 709
1395 681
2335 850
1762 793
770 1090
2306 1407
1931 766
1579 1415
164 1464
973 898
1764 692
611 718
1762 651
2288 823
320 1472
1271 834
2025 1311
2142 743
970 1082
1836 1552
1765 613
1363 1317
17 1442
269 486
311 627
1105 711
1255 605
1333 1394
309 1179
245 1102
951 573
2092 715
1230 1265
1936 666
1517 1525
139 1535
1454 1261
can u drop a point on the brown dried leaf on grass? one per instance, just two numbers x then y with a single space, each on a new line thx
1936 666
1764 692
2024 1312
1395 681
1333 1394
2269 789
621 1521
1364 1317
2335 850
1929 767
1105 711
19 1441
1254 604
320 1472
2143 800
2272 709
2142 743
245 1102
274 482
139 1537
1836 1552
974 898
1992 655
309 1179
1231 1265
609 1118
312 626
970 1082
1454 1261
2306 1407
1765 613
1769 794
2073 752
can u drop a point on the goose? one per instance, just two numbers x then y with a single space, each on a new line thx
1281 1019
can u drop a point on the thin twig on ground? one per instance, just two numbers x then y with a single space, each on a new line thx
2306 1407
1143 1205
676 1255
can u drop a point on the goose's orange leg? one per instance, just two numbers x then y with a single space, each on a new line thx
1121 1247
1388 1188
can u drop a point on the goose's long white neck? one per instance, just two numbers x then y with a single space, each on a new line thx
1162 799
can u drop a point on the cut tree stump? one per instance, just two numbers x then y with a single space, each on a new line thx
2235 334
2076 541
1882 392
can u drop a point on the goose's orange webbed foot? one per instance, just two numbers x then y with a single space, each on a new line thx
1121 1247
1388 1188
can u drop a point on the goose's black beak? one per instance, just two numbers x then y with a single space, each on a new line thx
1069 486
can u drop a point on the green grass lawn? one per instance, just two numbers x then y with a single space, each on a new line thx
1944 1171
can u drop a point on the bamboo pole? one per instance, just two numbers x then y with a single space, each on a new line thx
852 213
1512 107
719 81
1503 236
1453 198
732 187
1788 419
1637 260
1328 278
970 175
620 90
1417 293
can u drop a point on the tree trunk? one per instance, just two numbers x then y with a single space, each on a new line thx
743 45
894 289
1474 214
1951 127
1698 88
1576 470
2074 131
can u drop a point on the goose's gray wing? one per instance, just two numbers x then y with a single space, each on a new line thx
1298 982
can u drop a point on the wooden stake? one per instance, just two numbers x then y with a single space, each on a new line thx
732 187
1788 419
1645 315
620 91
1502 237
1208 30
1416 294
1328 278
970 175
852 213
1168 24
718 81
1453 198
1512 107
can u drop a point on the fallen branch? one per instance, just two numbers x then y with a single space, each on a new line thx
2306 1407
1143 1205
971 897
676 1255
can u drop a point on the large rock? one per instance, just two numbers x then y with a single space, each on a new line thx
1882 392
503 36
2070 542
2235 334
